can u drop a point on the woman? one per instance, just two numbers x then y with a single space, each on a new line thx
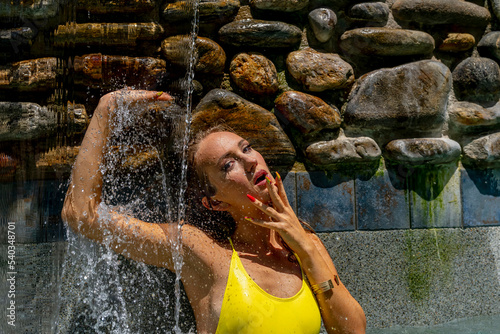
242 284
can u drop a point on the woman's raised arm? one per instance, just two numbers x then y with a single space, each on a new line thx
133 238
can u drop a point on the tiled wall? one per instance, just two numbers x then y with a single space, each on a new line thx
397 198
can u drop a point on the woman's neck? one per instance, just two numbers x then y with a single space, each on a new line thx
254 237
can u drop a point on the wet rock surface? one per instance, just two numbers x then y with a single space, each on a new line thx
386 42
29 75
457 43
441 12
98 71
279 5
210 58
115 6
260 33
318 71
421 151
322 22
489 45
249 120
26 121
208 10
374 12
307 113
36 9
343 150
113 34
477 79
254 73
409 99
483 151
467 117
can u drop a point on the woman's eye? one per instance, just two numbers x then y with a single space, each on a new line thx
247 148
227 165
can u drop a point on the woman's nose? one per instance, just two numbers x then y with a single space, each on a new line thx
250 163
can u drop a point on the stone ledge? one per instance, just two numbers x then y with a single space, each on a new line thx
392 197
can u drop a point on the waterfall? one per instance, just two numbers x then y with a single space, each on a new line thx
101 291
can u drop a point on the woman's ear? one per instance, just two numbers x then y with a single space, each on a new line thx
214 205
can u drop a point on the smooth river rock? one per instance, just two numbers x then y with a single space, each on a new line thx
254 73
249 120
25 120
467 117
211 56
374 12
477 79
343 150
318 71
34 9
112 34
495 7
484 151
208 11
456 42
307 113
260 33
381 41
13 39
97 70
322 22
279 5
489 45
421 151
463 13
409 99
115 6
30 75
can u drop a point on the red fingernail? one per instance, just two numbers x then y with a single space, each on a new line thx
278 176
249 219
250 197
268 179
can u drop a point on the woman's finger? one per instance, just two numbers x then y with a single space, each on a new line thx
281 190
268 210
273 193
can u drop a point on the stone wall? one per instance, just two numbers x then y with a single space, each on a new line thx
395 101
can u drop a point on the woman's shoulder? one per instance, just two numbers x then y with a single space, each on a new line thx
196 240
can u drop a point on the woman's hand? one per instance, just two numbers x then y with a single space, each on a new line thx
283 218
340 312
84 193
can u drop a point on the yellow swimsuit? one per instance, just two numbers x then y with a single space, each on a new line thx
247 309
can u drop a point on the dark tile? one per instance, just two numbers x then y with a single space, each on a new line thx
382 201
326 201
481 197
289 182
33 210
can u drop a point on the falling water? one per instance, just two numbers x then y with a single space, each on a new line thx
183 181
103 292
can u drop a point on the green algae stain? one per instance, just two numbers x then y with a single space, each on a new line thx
429 254
435 196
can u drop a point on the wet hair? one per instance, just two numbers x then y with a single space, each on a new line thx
219 225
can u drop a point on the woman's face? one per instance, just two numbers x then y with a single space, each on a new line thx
233 168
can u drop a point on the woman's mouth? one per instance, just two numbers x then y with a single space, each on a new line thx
260 178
